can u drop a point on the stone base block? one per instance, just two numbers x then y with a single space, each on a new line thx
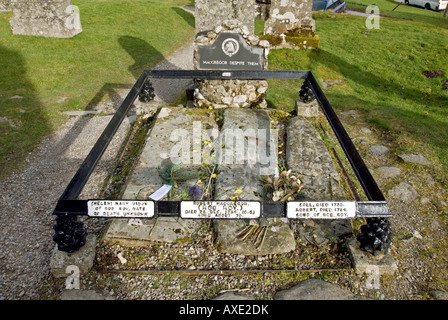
82 259
365 262
307 110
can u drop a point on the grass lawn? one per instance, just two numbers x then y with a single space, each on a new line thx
120 39
382 75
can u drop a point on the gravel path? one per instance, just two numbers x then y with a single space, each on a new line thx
28 197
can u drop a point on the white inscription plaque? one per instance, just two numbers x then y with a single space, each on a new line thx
120 208
220 209
321 210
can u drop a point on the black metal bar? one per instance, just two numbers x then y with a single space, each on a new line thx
79 180
362 172
70 234
269 209
223 75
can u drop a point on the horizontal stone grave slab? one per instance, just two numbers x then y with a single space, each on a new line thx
176 136
243 181
307 155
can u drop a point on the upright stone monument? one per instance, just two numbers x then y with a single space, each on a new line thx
212 13
47 18
225 41
5 6
291 25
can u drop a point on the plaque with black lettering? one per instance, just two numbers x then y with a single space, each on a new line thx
230 52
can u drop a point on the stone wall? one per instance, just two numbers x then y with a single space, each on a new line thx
48 18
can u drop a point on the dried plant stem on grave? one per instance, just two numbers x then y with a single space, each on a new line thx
206 193
288 185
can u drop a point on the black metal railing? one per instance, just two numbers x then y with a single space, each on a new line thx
375 235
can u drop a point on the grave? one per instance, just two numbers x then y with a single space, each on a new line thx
176 130
246 176
291 25
58 18
186 145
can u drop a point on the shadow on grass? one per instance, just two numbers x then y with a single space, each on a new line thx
187 16
142 52
374 82
24 120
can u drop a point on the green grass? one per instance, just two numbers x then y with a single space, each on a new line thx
382 73
120 39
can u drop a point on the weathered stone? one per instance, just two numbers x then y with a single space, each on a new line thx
240 176
379 150
307 155
176 138
366 130
290 16
233 93
58 19
234 296
365 262
307 110
388 172
82 259
417 158
210 14
404 191
439 295
315 289
5 6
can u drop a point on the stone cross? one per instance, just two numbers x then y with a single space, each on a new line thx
47 18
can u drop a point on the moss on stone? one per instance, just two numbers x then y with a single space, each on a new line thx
304 42
273 39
